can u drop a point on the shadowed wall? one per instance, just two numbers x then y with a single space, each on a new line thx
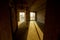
5 26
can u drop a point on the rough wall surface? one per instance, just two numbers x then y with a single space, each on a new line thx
41 16
52 21
5 27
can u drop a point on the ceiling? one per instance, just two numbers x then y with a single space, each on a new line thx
32 5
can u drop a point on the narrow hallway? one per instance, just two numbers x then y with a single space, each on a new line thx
33 32
45 27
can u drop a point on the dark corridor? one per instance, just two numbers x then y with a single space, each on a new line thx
45 27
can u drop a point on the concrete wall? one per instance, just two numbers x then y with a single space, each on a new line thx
27 15
41 16
14 19
13 14
5 26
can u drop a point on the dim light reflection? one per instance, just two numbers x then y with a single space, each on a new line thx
39 31
32 33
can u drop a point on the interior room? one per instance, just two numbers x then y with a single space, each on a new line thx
29 20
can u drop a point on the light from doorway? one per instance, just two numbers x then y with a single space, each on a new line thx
32 16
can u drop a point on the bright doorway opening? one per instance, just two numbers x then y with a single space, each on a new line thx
32 16
22 16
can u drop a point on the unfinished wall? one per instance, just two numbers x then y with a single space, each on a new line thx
5 26
13 14
52 21
14 24
41 16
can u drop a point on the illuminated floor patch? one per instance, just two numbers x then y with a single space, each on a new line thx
32 33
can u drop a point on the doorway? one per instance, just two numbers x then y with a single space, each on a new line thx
22 17
32 16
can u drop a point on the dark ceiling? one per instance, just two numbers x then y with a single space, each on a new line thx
33 5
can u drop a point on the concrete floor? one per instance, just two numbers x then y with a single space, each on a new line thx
29 31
